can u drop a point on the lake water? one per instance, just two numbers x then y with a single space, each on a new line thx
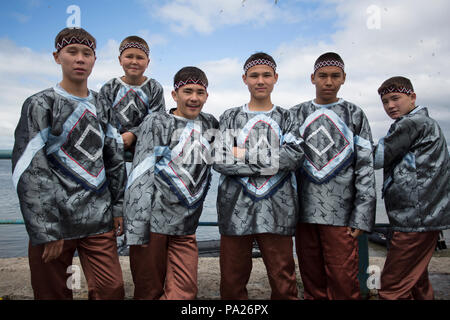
14 238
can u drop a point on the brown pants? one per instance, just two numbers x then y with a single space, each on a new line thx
236 265
405 272
166 268
100 263
328 261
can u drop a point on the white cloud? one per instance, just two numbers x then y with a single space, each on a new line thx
412 41
152 39
206 16
26 72
403 45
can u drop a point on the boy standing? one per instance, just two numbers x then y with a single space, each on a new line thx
166 188
132 96
69 174
257 200
416 188
336 186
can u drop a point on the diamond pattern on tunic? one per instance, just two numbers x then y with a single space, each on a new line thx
190 154
129 109
84 144
327 135
324 140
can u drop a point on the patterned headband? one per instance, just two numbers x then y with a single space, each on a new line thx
136 45
260 62
181 83
74 40
328 63
394 88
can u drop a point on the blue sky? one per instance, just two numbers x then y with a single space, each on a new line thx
377 39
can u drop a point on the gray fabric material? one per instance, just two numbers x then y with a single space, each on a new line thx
256 196
337 180
170 176
131 104
71 183
416 186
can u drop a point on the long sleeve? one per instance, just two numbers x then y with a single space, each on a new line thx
267 155
113 157
225 161
32 176
291 151
393 147
363 214
156 101
337 181
260 194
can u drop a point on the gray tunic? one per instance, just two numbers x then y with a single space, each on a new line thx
337 180
416 185
130 104
68 167
170 176
258 194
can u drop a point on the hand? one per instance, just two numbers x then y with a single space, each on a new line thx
52 250
128 140
239 152
118 226
354 232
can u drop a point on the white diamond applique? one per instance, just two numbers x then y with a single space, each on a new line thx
78 145
329 144
132 105
195 149
327 147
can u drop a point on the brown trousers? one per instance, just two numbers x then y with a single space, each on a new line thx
100 263
236 265
166 268
405 272
328 262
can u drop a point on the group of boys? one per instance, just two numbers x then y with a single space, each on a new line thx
307 171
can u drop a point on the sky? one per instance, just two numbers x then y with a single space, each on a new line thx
377 40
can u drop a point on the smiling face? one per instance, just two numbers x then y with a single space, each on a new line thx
398 104
190 99
77 61
328 81
134 63
260 81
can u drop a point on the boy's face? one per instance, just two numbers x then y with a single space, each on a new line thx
190 99
134 62
328 81
260 81
398 104
76 60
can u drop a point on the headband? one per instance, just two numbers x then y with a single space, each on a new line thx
74 40
394 88
136 45
260 62
181 83
327 63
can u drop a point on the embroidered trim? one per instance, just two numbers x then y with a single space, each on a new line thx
136 45
260 62
395 89
328 63
189 81
74 40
